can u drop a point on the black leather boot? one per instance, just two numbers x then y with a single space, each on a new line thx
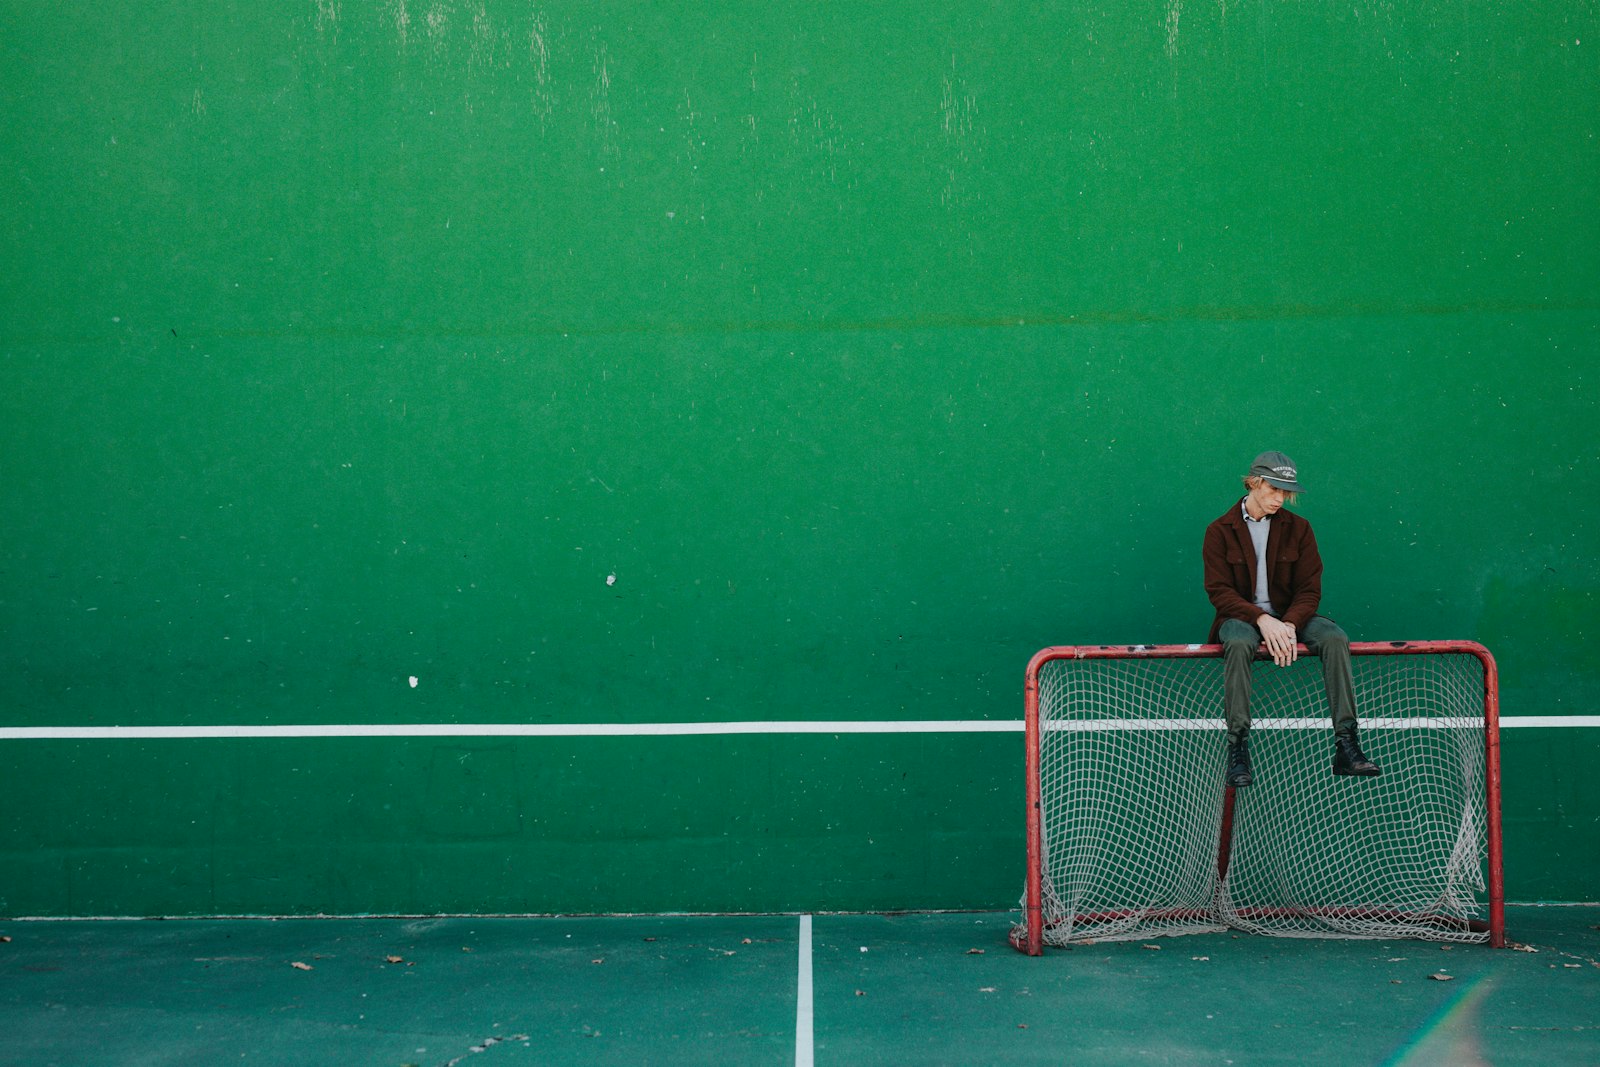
1239 763
1348 758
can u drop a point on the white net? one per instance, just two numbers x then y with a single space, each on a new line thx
1138 840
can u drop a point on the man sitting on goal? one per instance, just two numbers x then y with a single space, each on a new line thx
1264 576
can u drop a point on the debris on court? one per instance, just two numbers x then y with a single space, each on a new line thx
297 965
1437 977
975 951
1152 948
490 1042
394 959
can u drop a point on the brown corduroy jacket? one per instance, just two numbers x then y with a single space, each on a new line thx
1294 578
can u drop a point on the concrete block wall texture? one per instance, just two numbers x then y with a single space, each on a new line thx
638 363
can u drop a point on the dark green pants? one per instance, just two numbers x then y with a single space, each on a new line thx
1325 639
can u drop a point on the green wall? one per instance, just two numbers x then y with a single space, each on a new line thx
647 362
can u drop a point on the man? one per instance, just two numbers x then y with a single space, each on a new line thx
1264 576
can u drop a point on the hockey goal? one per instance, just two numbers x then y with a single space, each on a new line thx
1133 834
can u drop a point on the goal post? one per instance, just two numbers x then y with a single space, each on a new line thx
1132 832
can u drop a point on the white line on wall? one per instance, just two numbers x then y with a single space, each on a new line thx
636 729
508 729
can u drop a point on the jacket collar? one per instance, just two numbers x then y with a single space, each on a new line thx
1281 522
1235 517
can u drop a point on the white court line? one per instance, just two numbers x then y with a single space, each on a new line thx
803 1054
665 729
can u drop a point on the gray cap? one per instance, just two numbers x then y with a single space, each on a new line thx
1278 469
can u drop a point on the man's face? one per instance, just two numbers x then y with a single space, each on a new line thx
1265 499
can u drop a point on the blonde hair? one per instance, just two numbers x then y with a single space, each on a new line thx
1253 480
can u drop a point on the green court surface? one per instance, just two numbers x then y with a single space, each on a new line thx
894 989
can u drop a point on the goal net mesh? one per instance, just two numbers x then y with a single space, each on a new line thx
1134 842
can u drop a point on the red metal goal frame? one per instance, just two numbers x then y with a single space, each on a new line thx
1033 943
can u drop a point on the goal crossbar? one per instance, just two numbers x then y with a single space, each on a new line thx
1105 817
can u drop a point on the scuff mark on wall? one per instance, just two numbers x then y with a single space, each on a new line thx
438 20
605 125
328 17
750 135
482 53
813 129
958 109
693 141
402 22
539 58
490 48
